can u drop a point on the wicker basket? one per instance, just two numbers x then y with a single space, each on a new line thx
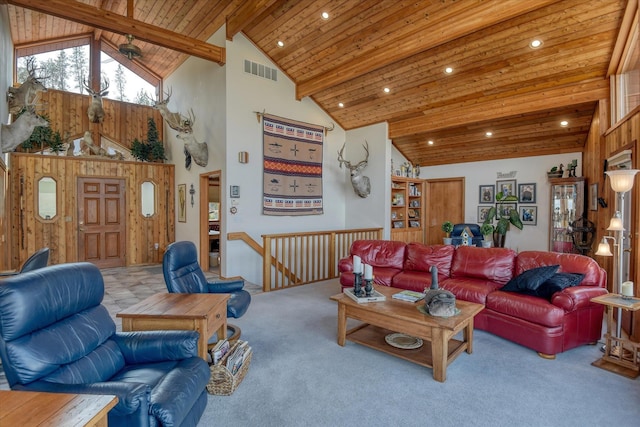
222 381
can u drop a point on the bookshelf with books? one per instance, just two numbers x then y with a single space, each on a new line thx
407 209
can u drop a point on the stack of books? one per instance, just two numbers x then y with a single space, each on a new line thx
411 296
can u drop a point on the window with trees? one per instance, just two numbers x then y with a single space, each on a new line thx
67 69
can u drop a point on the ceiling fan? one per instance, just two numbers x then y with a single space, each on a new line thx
129 49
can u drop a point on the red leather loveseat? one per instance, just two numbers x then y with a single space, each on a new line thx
562 320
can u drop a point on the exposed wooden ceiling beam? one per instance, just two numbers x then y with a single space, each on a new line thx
440 31
105 20
245 14
495 108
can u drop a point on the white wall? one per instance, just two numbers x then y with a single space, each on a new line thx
372 211
529 170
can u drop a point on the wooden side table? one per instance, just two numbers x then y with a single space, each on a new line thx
205 313
621 355
35 408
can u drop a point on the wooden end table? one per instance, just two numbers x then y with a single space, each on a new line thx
35 408
205 313
385 317
626 361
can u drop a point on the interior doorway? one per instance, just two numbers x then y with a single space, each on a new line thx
445 202
210 221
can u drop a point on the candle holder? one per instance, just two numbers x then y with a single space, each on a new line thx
368 287
357 285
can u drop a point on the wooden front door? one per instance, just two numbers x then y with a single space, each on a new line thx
101 221
445 202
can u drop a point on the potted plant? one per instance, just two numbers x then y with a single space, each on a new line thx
502 224
487 232
447 227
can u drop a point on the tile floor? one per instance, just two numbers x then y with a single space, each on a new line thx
126 286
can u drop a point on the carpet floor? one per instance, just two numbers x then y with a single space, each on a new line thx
300 376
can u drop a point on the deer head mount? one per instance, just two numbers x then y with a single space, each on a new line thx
360 183
20 130
28 92
95 110
176 121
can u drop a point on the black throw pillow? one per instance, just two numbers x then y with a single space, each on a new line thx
528 281
557 283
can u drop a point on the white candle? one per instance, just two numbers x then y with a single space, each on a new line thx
368 272
627 289
357 264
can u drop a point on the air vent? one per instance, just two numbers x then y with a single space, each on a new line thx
260 70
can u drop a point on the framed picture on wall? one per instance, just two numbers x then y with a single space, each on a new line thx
483 211
507 187
529 215
504 209
182 202
486 193
527 193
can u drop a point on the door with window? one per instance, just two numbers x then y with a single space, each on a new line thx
101 221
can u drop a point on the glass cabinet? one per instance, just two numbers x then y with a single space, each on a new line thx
567 205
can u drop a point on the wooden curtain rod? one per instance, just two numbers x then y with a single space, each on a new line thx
259 116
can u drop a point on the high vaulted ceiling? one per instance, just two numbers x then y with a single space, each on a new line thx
498 83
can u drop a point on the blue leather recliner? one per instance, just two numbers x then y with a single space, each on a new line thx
182 274
474 229
55 336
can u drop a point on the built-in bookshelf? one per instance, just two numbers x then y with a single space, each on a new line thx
407 209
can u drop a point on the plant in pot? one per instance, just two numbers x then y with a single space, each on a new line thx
447 227
487 232
502 224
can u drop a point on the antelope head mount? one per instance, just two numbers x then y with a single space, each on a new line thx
360 183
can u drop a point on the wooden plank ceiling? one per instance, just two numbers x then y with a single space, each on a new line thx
498 83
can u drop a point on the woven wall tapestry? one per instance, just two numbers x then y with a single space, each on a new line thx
292 167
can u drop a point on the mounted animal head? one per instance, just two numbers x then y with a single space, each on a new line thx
95 110
360 183
192 148
27 93
176 121
20 130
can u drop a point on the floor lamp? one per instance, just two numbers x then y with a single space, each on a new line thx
621 182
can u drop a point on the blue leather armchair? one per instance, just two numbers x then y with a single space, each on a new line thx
55 336
38 259
476 235
182 274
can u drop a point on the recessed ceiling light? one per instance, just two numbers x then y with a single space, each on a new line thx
325 15
280 43
564 123
488 133
340 104
386 90
448 70
430 142
535 43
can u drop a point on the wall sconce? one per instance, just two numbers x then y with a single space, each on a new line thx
192 191
243 157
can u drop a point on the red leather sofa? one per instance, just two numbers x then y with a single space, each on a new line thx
549 326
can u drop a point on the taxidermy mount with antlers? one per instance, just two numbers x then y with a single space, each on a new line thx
360 183
27 93
95 110
176 121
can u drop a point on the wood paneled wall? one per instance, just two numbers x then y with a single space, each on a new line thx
602 144
29 232
123 121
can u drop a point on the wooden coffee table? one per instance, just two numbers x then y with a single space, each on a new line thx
386 317
205 313
35 408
